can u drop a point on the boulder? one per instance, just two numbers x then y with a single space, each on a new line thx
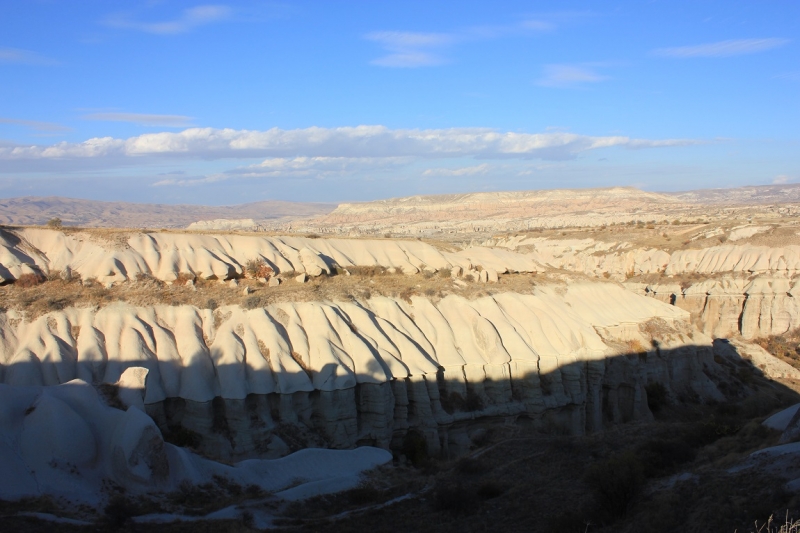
313 263
131 386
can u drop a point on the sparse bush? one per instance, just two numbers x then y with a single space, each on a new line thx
415 448
258 268
366 271
661 456
300 361
54 223
119 511
635 346
457 499
489 489
363 494
29 280
616 483
255 302
183 278
470 466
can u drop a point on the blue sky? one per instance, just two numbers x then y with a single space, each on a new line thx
192 102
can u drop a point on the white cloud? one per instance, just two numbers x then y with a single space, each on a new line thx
734 47
177 121
793 76
780 179
24 57
407 49
343 142
35 124
190 19
295 167
537 25
463 171
568 76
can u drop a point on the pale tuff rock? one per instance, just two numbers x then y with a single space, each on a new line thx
223 257
757 307
64 442
274 282
745 232
164 256
246 291
314 266
223 224
768 364
131 386
378 366
301 278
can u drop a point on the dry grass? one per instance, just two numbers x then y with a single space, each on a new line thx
57 294
785 347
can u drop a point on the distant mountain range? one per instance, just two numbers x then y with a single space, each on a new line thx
31 210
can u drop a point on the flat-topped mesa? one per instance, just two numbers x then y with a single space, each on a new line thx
495 205
262 382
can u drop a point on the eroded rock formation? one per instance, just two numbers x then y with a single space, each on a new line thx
262 382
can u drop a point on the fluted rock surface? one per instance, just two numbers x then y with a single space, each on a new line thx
753 307
266 381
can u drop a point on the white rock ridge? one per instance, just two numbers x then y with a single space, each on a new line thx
165 255
359 372
63 441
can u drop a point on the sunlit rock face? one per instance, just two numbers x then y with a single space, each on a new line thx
753 307
238 383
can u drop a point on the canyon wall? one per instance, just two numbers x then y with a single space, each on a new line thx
729 289
238 383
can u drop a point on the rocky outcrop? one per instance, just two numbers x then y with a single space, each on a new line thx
64 441
753 307
262 382
166 255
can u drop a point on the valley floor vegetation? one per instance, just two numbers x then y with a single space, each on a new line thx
673 473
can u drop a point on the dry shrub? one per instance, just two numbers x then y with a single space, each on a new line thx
183 278
457 499
616 483
258 268
299 360
26 281
635 346
367 271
